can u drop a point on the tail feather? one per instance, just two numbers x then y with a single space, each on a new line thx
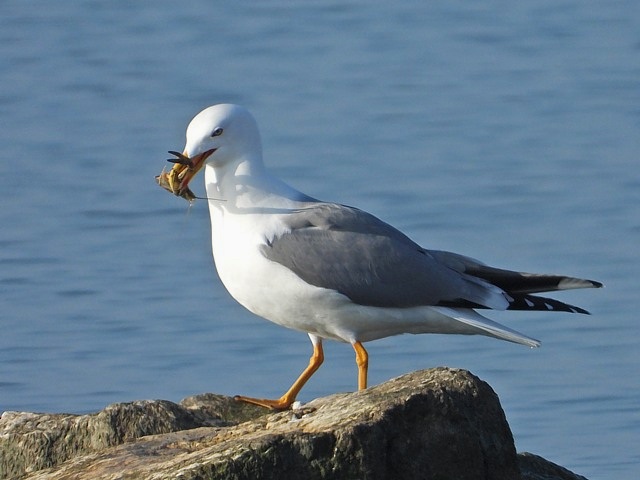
486 326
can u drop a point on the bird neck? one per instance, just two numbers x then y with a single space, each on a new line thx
247 184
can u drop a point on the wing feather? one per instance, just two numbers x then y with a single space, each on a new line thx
350 251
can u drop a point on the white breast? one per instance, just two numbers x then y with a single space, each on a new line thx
264 287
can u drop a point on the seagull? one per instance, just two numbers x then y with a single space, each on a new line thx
334 271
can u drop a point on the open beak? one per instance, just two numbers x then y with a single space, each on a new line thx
177 179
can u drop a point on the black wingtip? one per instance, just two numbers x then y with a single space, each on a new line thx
543 304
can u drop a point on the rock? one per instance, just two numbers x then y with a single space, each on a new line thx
31 442
431 424
533 467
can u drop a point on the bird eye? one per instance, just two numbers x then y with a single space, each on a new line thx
217 132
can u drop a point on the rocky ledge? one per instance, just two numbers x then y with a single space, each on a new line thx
432 424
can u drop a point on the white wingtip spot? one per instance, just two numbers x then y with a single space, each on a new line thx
570 283
549 307
529 302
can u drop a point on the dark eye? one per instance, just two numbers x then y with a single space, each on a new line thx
217 132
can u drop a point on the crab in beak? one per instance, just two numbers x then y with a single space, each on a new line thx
184 169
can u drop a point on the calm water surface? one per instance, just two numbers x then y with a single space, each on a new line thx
509 133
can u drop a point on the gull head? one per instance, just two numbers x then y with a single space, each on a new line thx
222 136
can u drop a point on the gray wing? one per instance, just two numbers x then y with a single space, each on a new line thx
345 249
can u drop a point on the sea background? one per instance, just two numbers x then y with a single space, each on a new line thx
509 132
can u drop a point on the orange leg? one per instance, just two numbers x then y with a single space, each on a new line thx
288 398
362 360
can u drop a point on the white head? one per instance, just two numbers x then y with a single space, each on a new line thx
221 136
228 129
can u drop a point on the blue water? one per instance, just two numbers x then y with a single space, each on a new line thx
506 132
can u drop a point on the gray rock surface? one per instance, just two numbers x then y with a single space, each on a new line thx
432 424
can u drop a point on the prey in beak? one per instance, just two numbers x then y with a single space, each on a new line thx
184 169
